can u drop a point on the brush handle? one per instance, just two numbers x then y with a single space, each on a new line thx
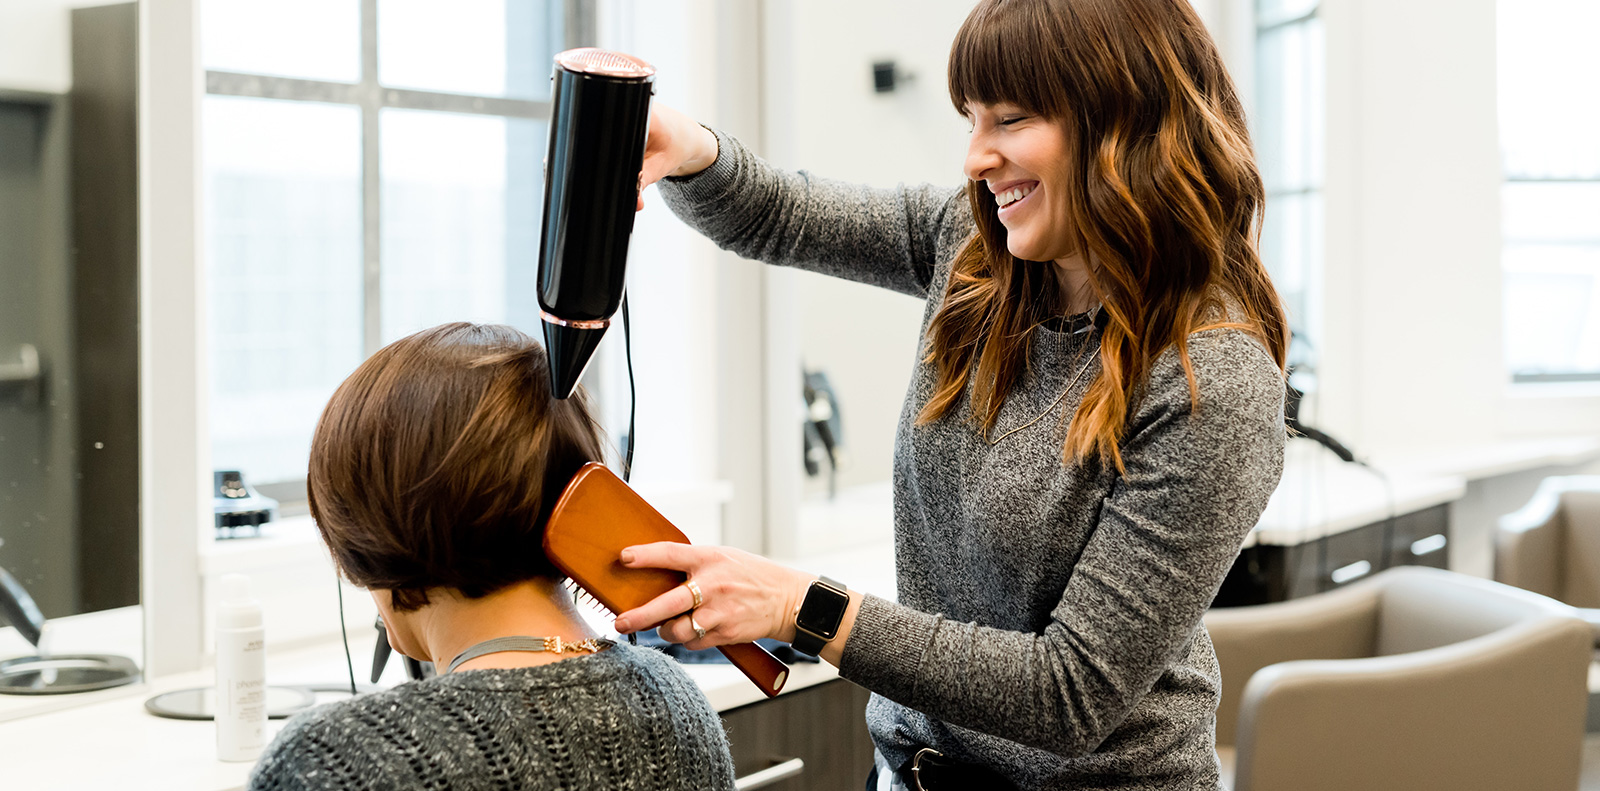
757 664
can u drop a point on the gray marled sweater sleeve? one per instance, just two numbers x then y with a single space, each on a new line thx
1166 536
882 237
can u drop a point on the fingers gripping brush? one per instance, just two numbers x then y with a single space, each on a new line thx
596 518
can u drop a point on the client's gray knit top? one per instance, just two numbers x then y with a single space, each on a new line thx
1048 617
625 718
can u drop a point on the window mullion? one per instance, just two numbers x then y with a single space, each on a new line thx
263 86
371 183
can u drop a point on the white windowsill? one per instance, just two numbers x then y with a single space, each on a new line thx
1528 391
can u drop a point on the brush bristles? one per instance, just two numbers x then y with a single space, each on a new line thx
586 599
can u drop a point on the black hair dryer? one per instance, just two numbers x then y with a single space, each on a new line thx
598 123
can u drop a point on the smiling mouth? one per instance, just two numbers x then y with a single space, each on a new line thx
1015 195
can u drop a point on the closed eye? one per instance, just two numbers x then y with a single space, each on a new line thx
1013 120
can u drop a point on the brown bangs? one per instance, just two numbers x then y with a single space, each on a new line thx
1004 53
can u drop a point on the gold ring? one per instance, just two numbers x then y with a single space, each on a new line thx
694 590
699 631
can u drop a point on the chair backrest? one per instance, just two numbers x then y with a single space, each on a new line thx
1580 519
1475 695
1341 624
1424 608
1551 545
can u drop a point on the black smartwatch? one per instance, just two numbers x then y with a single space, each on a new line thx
820 614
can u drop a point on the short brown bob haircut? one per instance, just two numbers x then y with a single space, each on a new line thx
437 463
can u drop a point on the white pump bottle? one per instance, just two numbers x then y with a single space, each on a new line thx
241 673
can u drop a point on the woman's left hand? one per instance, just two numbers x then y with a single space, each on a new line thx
742 596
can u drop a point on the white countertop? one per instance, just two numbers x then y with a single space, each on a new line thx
129 749
115 743
1320 495
1488 458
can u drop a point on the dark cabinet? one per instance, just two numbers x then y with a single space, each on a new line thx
824 726
1264 574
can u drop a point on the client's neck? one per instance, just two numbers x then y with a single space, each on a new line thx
452 623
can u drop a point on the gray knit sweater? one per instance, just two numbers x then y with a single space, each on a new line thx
625 718
1048 617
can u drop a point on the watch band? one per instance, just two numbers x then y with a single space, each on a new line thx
811 641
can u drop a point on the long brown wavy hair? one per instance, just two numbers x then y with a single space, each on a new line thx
1165 203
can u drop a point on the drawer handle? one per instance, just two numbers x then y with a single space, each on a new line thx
771 775
1428 545
1354 571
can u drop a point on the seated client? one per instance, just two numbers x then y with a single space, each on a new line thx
433 471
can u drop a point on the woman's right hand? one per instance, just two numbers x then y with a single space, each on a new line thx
676 146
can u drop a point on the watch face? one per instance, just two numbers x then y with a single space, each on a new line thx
822 611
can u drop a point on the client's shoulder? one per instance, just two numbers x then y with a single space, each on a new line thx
458 725
327 747
618 664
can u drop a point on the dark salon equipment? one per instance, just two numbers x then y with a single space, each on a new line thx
1291 418
18 609
52 674
599 119
1302 366
380 651
823 429
887 76
415 670
240 509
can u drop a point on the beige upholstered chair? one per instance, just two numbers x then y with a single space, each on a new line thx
1552 544
1414 679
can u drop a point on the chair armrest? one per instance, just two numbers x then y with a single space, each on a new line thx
1505 710
1336 625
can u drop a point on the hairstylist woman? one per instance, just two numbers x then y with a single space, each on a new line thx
1094 423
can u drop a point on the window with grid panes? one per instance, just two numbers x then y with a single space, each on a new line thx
371 168
1290 69
1550 199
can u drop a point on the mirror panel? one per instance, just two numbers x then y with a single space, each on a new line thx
69 367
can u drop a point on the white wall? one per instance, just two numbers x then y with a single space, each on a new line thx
671 281
699 347
36 44
1412 350
823 116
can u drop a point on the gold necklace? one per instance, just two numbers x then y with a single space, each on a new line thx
1048 410
1093 314
1053 404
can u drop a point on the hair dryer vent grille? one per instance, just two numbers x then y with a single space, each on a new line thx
590 60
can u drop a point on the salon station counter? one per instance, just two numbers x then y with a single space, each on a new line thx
1330 523
116 744
108 740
